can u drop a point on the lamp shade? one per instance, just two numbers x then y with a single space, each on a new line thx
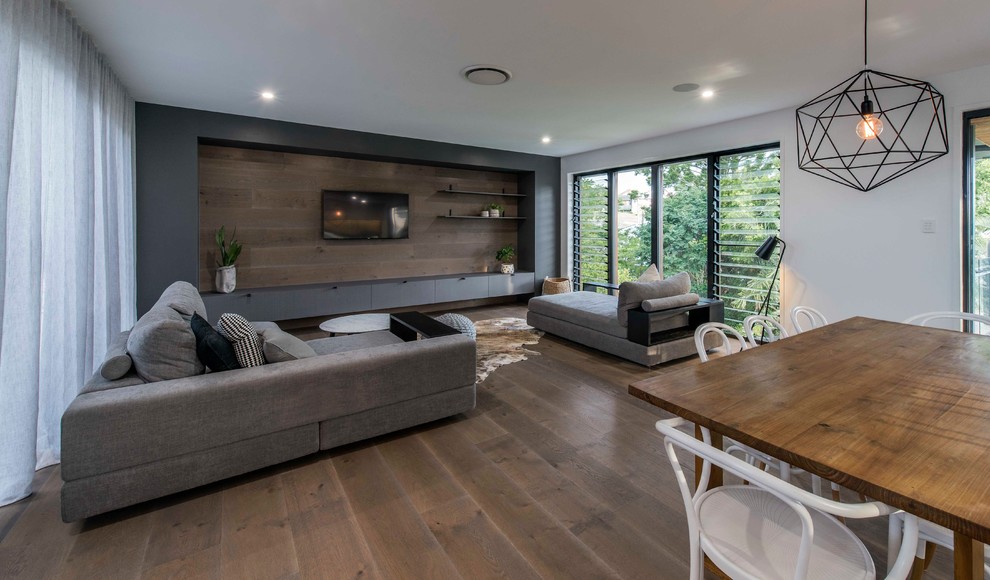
767 247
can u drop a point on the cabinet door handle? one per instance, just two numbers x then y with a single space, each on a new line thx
462 278
404 281
334 288
248 295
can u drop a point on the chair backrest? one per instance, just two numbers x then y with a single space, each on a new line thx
812 318
771 330
796 498
720 330
927 318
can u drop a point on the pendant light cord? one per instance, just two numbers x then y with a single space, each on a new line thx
866 53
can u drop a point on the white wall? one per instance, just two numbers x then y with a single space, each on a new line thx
849 253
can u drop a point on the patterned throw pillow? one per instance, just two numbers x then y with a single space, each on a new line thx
244 337
216 352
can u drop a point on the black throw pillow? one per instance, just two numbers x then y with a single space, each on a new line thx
212 348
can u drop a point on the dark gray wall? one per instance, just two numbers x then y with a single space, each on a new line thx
168 183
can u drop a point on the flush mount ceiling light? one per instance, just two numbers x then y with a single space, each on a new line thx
871 128
546 139
707 93
486 74
268 95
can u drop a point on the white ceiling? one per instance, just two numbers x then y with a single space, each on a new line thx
589 73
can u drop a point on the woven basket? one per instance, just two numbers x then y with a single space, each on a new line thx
556 285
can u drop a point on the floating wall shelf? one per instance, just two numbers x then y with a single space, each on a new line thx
478 217
451 189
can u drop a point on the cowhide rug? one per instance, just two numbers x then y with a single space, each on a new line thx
500 342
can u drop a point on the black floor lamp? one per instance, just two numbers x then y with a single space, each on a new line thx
765 252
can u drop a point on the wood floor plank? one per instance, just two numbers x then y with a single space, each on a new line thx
549 547
10 513
38 543
400 541
474 543
256 540
185 539
423 479
617 541
109 546
325 532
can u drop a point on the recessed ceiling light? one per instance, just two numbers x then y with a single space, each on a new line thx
707 93
486 74
268 95
686 87
546 139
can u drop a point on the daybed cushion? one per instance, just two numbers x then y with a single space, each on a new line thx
98 383
632 294
117 362
670 302
280 346
588 309
351 342
246 340
184 299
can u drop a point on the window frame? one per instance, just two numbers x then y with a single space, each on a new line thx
968 201
656 200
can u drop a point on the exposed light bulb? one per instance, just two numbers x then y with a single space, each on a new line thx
870 126
707 94
268 95
546 139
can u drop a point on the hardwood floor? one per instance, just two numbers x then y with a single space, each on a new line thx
558 473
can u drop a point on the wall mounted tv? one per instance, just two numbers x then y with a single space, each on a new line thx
360 215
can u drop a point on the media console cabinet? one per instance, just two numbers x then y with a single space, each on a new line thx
304 301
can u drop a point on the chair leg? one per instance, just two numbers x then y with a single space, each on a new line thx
918 569
929 554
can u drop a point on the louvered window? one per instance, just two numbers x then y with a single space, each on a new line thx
747 210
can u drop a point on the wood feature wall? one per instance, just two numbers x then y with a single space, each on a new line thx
274 201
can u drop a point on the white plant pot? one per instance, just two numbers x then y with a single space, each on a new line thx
494 212
508 268
226 279
484 213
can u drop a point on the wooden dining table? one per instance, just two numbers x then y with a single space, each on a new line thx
896 412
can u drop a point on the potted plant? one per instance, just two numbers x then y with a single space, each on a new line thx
505 255
226 279
494 210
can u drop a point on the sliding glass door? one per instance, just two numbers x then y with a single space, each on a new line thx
633 222
684 206
976 222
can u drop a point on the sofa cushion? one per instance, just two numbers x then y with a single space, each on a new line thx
588 309
632 294
351 342
117 362
246 341
213 349
184 299
670 302
280 346
163 346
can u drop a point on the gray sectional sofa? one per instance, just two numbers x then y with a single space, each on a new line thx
126 441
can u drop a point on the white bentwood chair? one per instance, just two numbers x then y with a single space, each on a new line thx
927 318
770 528
928 532
720 330
772 330
814 318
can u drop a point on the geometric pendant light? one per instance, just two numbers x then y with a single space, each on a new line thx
871 128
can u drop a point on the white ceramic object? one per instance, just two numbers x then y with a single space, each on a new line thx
226 279
484 213
494 213
508 268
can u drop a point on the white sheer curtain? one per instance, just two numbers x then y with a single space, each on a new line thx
66 226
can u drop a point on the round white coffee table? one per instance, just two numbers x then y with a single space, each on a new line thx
356 323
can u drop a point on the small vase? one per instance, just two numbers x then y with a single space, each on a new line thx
484 213
494 212
226 279
508 268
